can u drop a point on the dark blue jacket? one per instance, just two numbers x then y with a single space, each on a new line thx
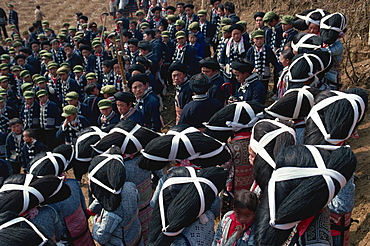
184 94
270 59
112 121
34 63
90 64
32 122
234 18
92 102
74 60
216 92
278 35
85 111
148 105
52 118
137 117
30 151
255 91
12 153
200 110
69 136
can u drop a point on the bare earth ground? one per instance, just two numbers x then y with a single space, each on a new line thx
356 12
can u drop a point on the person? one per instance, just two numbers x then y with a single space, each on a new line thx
92 99
157 19
181 10
14 145
211 68
146 101
71 126
83 109
230 12
259 24
108 73
194 28
262 56
125 105
208 29
236 227
214 17
30 111
39 16
273 34
49 119
193 42
288 32
190 16
185 53
180 78
65 85
202 107
31 146
13 16
251 89
3 22
107 115
117 222
236 48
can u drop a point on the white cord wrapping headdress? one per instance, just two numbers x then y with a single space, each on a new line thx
301 43
307 18
235 125
100 165
289 173
352 99
184 180
97 132
259 146
21 219
181 136
339 29
300 95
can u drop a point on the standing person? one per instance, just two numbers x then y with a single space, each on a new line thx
39 16
214 17
71 126
49 120
180 79
13 16
3 22
230 12
107 115
14 145
208 29
30 111
31 146
251 89
202 107
146 102
288 32
185 53
190 16
125 105
262 56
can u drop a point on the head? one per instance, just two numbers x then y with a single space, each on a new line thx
209 67
181 40
68 49
178 72
286 57
189 10
138 84
314 29
55 44
242 70
29 135
192 38
245 205
258 19
180 8
16 125
271 19
236 32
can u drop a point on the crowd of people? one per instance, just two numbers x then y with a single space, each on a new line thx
87 99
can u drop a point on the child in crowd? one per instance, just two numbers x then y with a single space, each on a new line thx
236 227
31 146
286 57
14 144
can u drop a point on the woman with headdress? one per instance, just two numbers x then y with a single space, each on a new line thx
118 221
238 119
292 208
194 192
309 69
28 195
294 105
310 20
268 138
71 211
332 121
134 138
15 230
332 28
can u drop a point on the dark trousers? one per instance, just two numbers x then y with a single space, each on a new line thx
48 138
16 167
4 30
